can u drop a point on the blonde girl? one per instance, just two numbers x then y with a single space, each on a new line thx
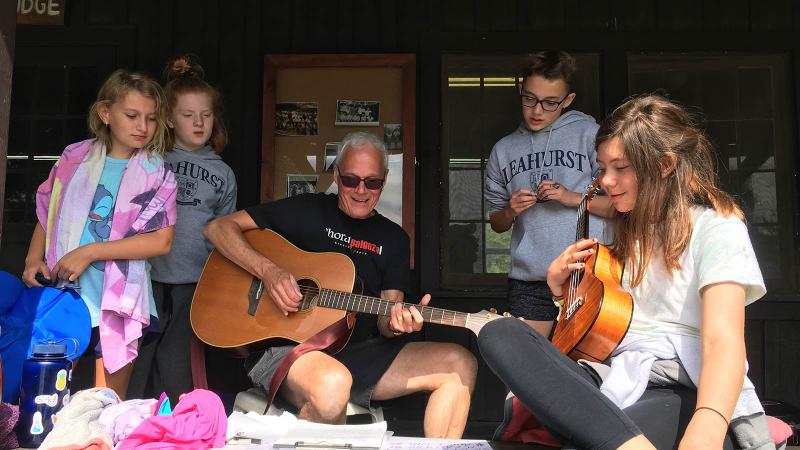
107 206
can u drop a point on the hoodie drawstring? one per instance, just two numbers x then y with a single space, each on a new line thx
533 151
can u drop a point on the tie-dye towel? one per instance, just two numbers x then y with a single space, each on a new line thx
145 202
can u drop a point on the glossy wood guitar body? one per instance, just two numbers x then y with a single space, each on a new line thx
601 311
230 309
596 312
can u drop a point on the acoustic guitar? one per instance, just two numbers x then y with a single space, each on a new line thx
231 309
596 312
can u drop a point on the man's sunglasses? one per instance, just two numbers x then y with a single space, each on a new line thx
370 183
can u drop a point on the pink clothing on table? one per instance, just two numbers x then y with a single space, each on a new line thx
145 202
197 422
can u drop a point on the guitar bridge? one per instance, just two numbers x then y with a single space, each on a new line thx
573 306
254 295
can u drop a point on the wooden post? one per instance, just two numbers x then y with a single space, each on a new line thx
8 28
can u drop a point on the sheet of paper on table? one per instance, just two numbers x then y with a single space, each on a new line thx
400 443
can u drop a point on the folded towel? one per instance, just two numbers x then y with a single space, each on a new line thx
77 423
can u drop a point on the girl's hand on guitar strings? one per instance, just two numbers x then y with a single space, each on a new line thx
406 320
570 259
282 288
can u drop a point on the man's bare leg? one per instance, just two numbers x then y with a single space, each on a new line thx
319 386
447 371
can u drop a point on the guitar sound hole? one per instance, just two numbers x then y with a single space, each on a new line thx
310 290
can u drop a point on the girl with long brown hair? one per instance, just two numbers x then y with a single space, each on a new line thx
690 268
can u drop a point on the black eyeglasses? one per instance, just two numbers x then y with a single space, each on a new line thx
353 181
547 105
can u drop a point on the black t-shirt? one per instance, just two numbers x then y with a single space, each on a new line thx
378 247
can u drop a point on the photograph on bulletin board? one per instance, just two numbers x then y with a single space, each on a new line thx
296 119
364 113
393 136
301 184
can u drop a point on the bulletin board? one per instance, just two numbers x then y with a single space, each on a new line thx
312 101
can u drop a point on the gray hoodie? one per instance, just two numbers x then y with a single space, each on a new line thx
564 152
206 189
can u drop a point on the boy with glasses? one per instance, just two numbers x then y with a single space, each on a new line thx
379 361
550 156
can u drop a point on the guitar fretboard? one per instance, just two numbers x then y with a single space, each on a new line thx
372 305
572 301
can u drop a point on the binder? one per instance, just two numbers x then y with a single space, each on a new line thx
301 445
314 436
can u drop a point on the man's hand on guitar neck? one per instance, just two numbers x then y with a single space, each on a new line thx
281 287
406 320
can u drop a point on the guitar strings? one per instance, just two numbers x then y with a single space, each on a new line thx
581 233
423 309
358 297
575 275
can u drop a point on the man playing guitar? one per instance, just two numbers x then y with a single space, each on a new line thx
379 362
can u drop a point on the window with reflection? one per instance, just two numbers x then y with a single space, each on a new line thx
748 116
48 112
480 105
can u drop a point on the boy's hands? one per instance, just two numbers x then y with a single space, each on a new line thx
553 190
520 201
503 219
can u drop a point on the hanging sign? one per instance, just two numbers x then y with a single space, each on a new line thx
41 12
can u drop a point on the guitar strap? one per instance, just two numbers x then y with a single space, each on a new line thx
326 338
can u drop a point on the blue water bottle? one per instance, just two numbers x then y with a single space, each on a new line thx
44 391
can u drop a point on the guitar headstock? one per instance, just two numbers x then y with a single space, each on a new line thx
582 229
476 321
593 189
